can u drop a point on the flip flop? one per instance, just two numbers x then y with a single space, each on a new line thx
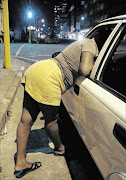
34 166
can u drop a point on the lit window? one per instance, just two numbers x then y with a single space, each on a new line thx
82 3
91 12
101 7
85 6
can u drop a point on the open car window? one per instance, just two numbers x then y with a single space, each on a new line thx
114 72
100 34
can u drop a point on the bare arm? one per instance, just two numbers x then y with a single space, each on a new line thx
86 63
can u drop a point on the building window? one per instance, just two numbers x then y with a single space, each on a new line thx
85 15
91 12
82 3
97 7
86 6
101 7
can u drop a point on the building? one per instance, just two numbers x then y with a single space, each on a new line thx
60 17
16 17
82 15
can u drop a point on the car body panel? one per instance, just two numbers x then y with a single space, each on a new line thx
93 125
96 109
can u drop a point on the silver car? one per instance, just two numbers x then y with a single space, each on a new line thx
97 104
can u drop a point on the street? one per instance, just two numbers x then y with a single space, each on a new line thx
87 81
80 164
35 52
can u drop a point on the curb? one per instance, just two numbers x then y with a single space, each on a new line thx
12 89
27 60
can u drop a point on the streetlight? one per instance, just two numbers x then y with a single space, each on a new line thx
82 22
29 16
43 20
82 18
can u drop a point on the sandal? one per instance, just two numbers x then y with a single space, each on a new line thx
34 166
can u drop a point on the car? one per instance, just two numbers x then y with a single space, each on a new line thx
34 36
97 104
42 36
50 40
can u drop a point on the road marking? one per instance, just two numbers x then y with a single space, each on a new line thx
40 55
45 55
27 59
22 68
19 50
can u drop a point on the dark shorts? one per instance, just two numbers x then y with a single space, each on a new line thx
49 112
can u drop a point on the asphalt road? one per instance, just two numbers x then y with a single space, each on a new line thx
35 52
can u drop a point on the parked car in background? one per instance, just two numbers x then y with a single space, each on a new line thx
42 36
97 104
34 36
50 40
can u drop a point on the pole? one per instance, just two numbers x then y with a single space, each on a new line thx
7 63
29 26
30 2
29 33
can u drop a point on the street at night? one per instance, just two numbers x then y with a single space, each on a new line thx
78 159
62 89
37 52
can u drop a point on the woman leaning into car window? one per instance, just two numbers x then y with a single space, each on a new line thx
44 83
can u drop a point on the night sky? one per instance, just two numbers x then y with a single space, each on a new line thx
41 9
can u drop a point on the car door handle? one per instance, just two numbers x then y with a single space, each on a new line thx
76 89
120 134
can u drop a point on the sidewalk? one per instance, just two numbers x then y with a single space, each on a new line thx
39 148
9 83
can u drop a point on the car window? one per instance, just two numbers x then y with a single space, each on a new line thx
100 34
114 73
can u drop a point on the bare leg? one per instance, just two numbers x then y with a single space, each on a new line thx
23 131
53 132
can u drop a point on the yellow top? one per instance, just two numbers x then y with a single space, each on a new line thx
43 82
47 80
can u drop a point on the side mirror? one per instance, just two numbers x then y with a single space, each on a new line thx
55 54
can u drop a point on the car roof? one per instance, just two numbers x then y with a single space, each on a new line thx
121 17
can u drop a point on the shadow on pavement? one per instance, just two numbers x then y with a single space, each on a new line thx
38 142
79 161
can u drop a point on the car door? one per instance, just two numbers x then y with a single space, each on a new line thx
98 109
71 100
